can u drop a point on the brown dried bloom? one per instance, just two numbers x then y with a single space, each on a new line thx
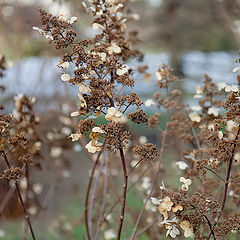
25 159
131 99
154 120
116 137
85 125
57 29
138 117
146 152
13 174
164 76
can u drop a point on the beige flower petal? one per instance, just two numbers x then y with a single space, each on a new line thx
74 114
97 26
109 117
65 77
177 208
122 70
98 130
112 111
75 136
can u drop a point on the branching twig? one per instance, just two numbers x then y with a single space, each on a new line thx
93 196
101 216
209 169
128 190
20 199
124 195
208 221
88 192
226 181
154 183
147 227
229 168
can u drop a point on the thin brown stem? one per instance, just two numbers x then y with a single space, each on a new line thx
101 216
147 227
88 193
128 190
124 195
115 192
196 138
229 168
120 90
20 199
208 221
152 188
93 195
127 107
221 178
107 72
228 174
129 172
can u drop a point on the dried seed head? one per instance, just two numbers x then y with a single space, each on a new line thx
13 174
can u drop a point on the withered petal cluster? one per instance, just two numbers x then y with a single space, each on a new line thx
13 174
116 136
147 152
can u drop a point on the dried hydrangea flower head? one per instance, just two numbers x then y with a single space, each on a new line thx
101 74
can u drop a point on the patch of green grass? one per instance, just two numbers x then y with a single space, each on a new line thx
134 201
79 232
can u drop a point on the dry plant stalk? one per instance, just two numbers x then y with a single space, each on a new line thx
13 139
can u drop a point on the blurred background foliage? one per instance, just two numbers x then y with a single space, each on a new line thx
174 26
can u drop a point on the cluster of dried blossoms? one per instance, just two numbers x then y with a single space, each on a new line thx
210 154
21 142
19 147
209 131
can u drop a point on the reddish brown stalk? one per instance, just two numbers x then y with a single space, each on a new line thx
129 189
134 166
89 237
21 199
119 198
228 174
93 196
207 219
115 192
229 171
124 195
105 188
